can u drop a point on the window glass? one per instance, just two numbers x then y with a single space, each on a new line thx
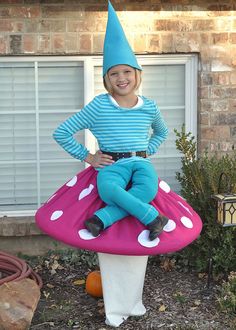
35 97
166 85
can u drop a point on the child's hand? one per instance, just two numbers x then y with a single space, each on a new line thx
99 159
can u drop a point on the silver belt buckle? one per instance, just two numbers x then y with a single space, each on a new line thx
133 153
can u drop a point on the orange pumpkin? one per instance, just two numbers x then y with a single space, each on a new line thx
93 285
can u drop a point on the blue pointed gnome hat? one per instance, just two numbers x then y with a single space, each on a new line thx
116 48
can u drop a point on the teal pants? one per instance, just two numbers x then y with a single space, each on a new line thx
142 182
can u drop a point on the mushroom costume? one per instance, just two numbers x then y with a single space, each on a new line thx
63 215
124 247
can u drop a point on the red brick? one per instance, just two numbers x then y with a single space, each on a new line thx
51 2
58 25
98 40
204 119
219 119
91 25
3 45
221 78
233 78
77 26
11 2
85 43
6 26
15 44
29 43
154 5
216 133
232 38
221 105
44 43
206 79
223 24
18 26
220 38
204 38
5 12
167 44
99 9
140 43
203 25
186 42
71 43
226 146
219 92
232 92
232 55
179 26
61 11
44 26
153 41
100 25
206 105
220 9
214 52
161 25
181 42
58 42
203 146
232 105
91 14
25 12
204 93
233 134
31 26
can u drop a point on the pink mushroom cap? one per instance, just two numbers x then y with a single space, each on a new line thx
62 217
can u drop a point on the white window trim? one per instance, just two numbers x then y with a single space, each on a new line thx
189 60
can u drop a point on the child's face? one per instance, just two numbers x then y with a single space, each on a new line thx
122 79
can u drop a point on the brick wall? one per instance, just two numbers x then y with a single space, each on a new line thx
35 27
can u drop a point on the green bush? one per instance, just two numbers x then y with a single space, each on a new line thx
227 295
199 180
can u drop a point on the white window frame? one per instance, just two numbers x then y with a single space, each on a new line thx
190 61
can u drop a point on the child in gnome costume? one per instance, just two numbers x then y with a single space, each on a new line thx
121 121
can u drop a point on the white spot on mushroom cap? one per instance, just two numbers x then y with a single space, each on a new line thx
187 222
144 240
56 214
72 182
85 234
164 186
170 226
85 192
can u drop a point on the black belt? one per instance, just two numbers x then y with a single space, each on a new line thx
120 155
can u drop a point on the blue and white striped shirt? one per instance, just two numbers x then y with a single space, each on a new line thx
116 129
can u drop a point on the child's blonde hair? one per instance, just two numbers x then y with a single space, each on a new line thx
107 84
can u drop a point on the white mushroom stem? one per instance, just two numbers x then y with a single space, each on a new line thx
122 282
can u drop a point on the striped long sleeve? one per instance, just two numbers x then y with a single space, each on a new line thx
160 133
116 129
64 134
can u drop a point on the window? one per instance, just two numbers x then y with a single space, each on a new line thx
37 93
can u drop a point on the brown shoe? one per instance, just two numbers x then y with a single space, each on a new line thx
94 225
156 226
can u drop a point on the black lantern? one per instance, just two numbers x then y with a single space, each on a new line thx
226 205
226 209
